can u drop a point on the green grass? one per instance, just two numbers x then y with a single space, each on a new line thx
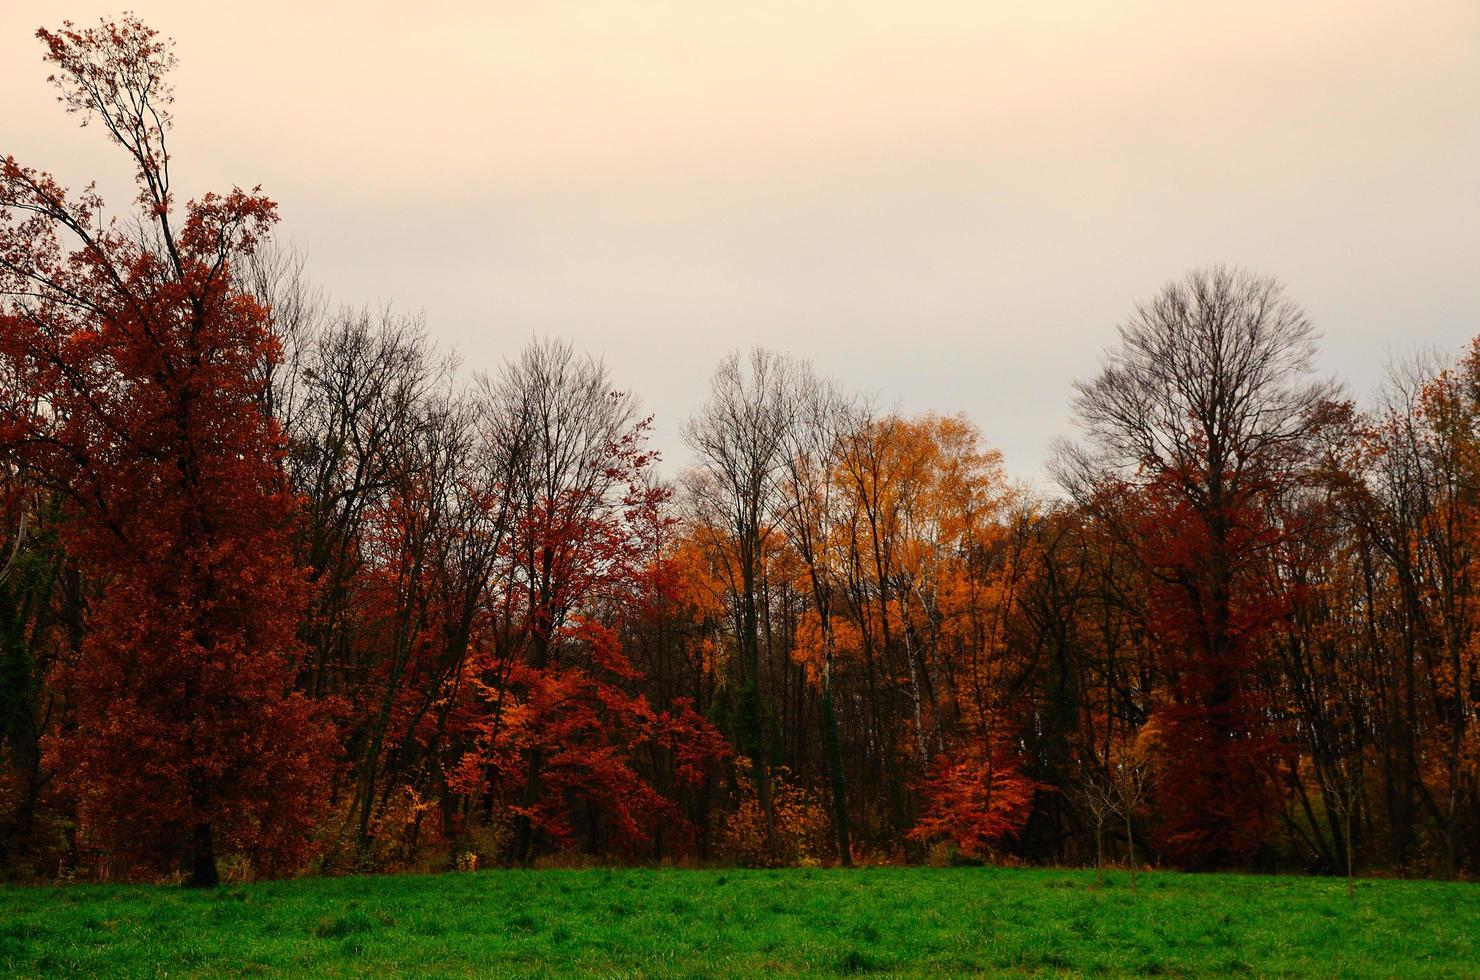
695 923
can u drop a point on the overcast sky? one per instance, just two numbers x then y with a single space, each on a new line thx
949 204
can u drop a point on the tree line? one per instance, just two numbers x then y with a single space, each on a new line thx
283 590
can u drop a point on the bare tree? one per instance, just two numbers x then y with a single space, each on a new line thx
808 511
1133 774
1211 382
277 274
740 437
1117 785
360 390
1098 796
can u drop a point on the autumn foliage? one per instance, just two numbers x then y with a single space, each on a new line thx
139 379
282 590
1220 790
976 799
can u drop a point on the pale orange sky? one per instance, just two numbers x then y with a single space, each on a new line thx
951 204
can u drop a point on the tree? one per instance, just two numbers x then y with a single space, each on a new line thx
1100 799
1134 770
141 366
740 438
1195 422
564 723
809 514
975 798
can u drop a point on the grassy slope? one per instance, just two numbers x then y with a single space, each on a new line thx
702 922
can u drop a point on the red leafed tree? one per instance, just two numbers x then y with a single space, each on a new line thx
976 798
1210 607
1199 419
143 375
564 724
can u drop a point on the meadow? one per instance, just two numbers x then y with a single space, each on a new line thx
662 922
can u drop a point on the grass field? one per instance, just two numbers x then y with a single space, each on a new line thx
681 923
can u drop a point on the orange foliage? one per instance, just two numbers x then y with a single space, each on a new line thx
802 827
975 799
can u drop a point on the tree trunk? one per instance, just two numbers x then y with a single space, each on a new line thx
203 873
835 773
523 828
1100 853
754 719
1351 859
1130 844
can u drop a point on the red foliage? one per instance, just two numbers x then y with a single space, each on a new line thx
1211 605
142 370
975 798
563 729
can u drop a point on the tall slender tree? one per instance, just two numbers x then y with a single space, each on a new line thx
141 366
740 438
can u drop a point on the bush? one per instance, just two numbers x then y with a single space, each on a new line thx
803 827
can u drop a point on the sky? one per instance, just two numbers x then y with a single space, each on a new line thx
950 205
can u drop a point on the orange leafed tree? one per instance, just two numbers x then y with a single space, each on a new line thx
142 371
976 798
965 570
